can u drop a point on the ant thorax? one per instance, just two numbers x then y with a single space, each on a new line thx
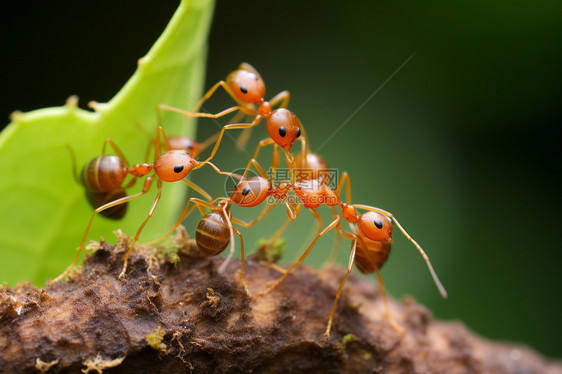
140 170
313 193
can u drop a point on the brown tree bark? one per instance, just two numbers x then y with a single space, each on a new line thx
187 318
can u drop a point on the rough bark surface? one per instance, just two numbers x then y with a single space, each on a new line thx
187 318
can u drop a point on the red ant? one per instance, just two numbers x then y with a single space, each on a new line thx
103 176
370 241
374 226
215 230
247 88
171 166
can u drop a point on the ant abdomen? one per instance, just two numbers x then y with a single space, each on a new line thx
311 167
371 255
104 173
212 234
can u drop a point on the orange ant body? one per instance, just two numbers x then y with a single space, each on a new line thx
103 176
247 88
170 166
215 230
371 241
374 226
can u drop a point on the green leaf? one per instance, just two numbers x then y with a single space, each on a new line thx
44 211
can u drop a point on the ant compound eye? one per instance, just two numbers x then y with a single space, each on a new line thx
243 89
282 131
178 168
375 226
246 191
298 132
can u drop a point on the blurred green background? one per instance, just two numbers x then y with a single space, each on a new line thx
461 143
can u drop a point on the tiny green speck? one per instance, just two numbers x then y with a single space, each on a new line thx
155 340
347 339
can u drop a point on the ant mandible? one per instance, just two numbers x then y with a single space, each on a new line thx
171 166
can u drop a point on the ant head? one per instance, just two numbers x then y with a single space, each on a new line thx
375 226
174 165
284 127
247 84
250 192
183 143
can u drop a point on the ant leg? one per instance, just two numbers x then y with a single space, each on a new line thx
210 140
304 161
242 262
195 187
131 183
263 143
245 134
122 200
262 249
157 142
183 215
282 97
290 164
150 213
232 245
258 167
115 149
393 323
255 122
146 133
279 232
266 210
337 241
73 161
275 161
436 280
343 179
245 110
243 138
292 214
219 171
328 228
212 90
340 288
312 234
